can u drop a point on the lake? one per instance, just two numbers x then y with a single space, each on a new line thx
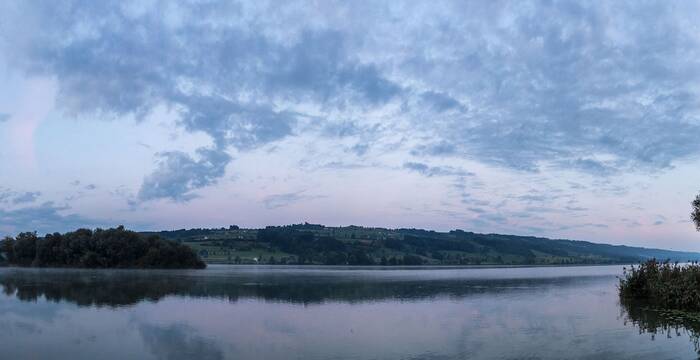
251 312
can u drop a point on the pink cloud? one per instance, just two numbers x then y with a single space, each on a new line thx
35 102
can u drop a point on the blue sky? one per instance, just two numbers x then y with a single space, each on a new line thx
559 119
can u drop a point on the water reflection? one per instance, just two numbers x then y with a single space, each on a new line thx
666 323
125 288
327 313
178 342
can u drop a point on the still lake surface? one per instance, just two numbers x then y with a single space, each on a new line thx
248 312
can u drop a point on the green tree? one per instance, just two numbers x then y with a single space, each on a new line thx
695 215
412 260
7 249
25 248
111 248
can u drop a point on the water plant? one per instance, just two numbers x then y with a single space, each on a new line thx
663 284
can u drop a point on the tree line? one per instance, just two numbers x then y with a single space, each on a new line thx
85 248
313 249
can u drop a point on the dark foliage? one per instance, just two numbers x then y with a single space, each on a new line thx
437 243
111 248
120 288
412 260
310 248
359 257
663 322
695 215
663 284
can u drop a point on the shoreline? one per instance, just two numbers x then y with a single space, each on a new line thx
211 266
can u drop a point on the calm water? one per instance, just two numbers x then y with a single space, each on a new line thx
229 312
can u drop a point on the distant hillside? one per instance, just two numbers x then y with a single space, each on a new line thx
353 245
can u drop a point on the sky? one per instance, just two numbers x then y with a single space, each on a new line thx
563 119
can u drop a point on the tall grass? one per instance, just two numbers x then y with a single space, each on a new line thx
663 284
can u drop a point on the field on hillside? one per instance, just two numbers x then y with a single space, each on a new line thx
354 245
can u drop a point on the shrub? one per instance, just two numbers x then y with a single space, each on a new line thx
663 284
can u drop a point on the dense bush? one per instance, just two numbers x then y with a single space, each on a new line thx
111 248
664 285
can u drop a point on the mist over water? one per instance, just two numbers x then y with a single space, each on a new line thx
229 312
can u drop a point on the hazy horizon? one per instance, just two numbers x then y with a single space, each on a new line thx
561 120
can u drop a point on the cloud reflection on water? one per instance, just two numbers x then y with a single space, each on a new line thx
321 313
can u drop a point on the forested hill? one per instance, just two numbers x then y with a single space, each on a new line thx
353 245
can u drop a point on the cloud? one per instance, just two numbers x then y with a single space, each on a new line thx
360 149
178 342
441 102
660 220
539 98
5 195
586 225
15 197
88 187
342 129
435 149
430 171
44 218
631 223
144 145
529 77
538 198
318 65
281 200
590 166
239 84
27 197
337 165
231 123
604 89
178 174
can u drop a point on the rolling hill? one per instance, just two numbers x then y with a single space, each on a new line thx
354 245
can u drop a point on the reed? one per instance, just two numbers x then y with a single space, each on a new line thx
663 284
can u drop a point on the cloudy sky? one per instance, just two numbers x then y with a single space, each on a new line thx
560 119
